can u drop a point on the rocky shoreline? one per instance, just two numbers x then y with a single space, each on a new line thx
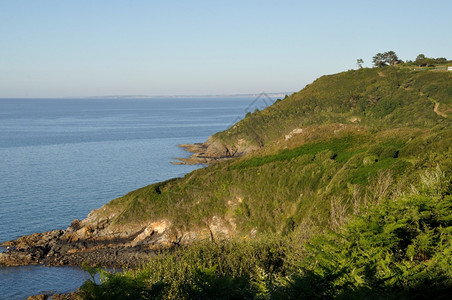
213 151
97 240
52 248
94 240
199 155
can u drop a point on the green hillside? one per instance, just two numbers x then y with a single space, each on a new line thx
332 157
379 98
372 144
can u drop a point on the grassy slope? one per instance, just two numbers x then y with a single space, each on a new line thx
392 170
329 166
274 191
382 98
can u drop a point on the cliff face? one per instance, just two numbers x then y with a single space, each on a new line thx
308 161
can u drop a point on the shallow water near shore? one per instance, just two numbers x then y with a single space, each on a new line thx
20 282
62 158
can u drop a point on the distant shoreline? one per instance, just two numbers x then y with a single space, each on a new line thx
275 94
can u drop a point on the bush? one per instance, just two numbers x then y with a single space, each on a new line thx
225 270
399 249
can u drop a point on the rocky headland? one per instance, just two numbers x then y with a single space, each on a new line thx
213 151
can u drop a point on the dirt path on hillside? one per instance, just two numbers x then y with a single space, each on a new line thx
435 109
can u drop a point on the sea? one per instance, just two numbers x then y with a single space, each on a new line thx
62 158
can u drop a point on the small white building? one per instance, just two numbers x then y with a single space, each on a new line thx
449 68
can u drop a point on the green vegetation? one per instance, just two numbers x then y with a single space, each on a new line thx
423 61
401 248
377 98
384 59
297 183
390 58
235 269
355 203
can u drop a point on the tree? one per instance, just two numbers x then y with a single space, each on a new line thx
360 62
378 60
384 59
391 58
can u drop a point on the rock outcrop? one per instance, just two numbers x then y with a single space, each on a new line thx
214 150
97 240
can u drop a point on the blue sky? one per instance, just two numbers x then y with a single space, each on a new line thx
96 47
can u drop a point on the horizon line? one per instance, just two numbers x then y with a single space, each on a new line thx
156 96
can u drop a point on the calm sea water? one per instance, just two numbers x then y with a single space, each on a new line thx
62 158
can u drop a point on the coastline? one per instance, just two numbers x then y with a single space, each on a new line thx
94 241
97 240
52 249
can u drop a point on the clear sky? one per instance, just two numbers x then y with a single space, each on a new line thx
166 47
